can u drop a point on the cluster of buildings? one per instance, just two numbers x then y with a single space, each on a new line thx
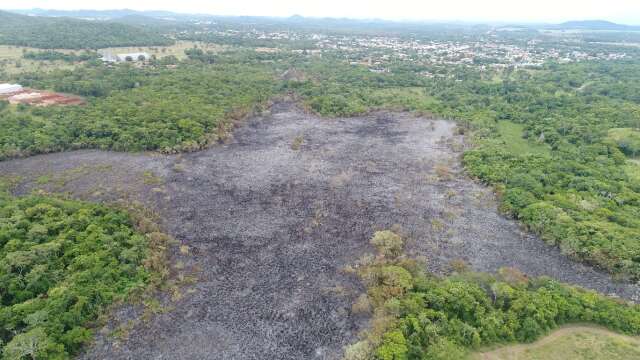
16 94
486 50
486 53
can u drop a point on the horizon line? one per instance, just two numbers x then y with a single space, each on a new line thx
399 20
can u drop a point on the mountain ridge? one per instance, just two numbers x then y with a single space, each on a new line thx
592 24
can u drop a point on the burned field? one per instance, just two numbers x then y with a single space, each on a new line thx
271 219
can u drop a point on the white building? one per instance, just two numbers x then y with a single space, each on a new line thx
141 56
9 89
131 57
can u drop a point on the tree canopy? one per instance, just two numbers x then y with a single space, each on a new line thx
68 33
62 263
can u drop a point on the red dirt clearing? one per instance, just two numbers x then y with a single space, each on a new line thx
41 98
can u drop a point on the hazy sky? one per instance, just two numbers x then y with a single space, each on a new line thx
626 11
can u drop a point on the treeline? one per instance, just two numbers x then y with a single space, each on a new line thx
419 316
62 263
131 109
67 33
51 55
445 318
582 195
207 57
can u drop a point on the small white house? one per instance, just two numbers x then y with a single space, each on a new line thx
9 88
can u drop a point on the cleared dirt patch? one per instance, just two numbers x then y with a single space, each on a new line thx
41 98
271 225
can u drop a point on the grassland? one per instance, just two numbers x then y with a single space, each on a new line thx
512 133
627 139
11 61
632 168
618 134
570 343
412 98
176 50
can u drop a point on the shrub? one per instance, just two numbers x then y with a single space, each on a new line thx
362 305
394 347
387 243
358 351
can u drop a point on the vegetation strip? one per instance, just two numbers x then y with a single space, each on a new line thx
420 316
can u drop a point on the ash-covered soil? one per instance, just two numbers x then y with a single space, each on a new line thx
272 217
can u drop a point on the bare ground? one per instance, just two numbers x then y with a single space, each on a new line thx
272 217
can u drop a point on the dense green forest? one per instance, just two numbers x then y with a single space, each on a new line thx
582 194
67 33
133 109
52 55
62 263
420 316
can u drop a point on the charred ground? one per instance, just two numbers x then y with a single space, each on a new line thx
271 219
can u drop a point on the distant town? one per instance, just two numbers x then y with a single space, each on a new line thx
491 50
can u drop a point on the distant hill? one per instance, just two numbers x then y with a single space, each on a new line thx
104 14
69 33
84 14
595 25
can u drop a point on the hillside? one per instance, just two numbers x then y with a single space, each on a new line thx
596 25
48 33
97 14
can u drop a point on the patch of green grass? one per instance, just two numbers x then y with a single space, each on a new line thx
512 132
410 98
571 343
43 180
56 181
632 168
617 134
495 79
627 139
176 49
12 63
